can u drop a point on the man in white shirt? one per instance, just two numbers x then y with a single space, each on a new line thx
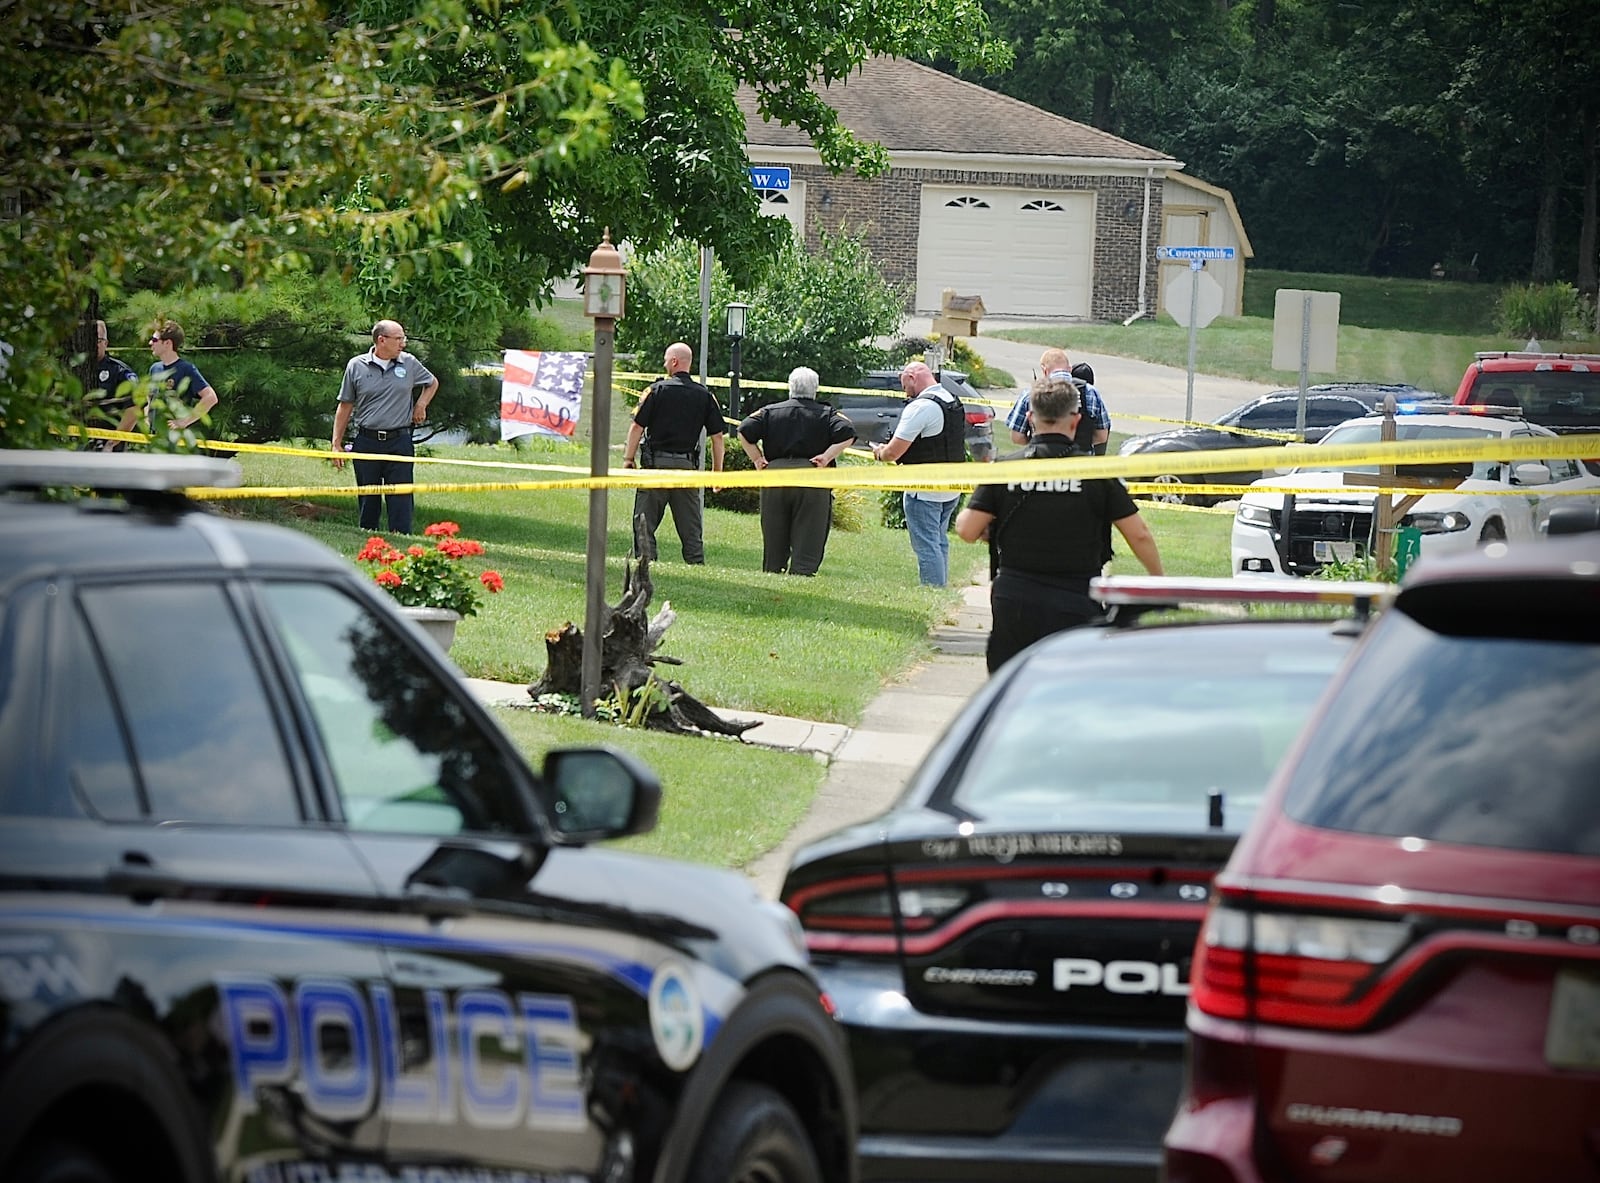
932 430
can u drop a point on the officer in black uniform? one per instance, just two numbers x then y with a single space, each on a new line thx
665 433
799 432
1050 536
101 400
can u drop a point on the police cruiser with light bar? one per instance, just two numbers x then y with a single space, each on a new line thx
281 903
1314 517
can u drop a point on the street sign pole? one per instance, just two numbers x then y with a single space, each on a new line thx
1196 257
1194 306
1305 368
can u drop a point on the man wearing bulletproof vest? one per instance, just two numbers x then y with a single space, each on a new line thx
665 433
932 430
1049 536
1094 421
799 432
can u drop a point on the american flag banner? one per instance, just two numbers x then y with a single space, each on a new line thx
541 393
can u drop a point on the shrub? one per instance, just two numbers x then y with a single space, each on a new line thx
820 309
1540 310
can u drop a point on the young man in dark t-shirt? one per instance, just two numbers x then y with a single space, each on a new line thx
1050 536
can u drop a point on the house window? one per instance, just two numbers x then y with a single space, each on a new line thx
1042 205
774 197
967 203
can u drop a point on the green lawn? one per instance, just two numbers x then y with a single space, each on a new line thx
816 648
1414 331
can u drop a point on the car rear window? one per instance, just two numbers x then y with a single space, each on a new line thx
1478 727
1149 731
1558 398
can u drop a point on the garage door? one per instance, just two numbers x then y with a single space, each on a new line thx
1027 253
787 203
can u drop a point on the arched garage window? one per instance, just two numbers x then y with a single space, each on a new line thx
967 203
1042 205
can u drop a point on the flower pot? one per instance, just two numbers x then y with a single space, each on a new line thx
438 623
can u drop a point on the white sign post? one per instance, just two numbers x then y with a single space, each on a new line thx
1193 299
1305 336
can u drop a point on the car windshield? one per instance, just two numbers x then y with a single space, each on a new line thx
1076 738
1559 398
1371 432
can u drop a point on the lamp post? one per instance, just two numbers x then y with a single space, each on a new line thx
604 294
736 318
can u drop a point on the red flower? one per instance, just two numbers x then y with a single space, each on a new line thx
435 578
442 530
387 578
492 580
372 550
414 550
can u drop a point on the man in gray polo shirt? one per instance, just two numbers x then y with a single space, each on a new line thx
376 393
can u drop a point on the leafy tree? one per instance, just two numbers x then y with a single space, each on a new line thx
819 309
217 140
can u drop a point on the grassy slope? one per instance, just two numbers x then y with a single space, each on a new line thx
1390 330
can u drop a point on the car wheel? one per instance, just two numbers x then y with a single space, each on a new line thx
59 1161
754 1136
1167 494
1493 531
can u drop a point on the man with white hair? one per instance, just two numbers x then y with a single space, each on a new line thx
932 430
799 432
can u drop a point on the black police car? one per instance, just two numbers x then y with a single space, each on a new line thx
280 901
1009 944
1327 405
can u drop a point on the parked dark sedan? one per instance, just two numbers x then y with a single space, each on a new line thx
874 415
1327 405
1008 945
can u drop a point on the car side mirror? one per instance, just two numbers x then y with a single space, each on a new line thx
1530 474
592 794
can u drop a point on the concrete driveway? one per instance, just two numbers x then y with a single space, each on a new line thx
1129 387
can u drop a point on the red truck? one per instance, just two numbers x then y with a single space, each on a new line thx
1559 390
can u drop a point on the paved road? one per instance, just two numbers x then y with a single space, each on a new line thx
1130 387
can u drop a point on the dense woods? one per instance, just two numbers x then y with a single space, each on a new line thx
1357 136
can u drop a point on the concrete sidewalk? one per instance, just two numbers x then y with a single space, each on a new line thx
867 765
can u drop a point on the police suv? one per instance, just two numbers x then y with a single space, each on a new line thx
279 901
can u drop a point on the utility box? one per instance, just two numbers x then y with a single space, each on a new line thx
958 315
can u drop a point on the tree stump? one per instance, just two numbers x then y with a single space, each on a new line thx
628 656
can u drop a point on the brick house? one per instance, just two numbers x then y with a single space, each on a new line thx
1037 214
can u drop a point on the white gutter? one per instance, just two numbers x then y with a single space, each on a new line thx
1144 253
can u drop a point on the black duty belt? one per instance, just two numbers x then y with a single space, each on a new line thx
386 434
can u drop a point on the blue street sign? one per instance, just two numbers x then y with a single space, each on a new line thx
769 177
1193 253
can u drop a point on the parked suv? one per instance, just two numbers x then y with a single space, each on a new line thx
874 416
1399 976
1559 390
280 901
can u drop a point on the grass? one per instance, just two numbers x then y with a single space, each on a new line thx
816 648
1414 331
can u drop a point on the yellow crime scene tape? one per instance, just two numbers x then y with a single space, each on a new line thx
928 477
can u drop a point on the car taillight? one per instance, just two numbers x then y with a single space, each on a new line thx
979 418
854 912
1299 970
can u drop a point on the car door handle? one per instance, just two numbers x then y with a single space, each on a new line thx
439 900
141 880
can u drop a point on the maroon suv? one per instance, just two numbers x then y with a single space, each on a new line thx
1399 975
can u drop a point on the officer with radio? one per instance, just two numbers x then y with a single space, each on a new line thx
1049 537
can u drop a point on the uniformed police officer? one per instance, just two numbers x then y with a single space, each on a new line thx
665 433
799 432
102 401
376 393
1051 536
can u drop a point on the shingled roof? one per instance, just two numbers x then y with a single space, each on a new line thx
908 107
